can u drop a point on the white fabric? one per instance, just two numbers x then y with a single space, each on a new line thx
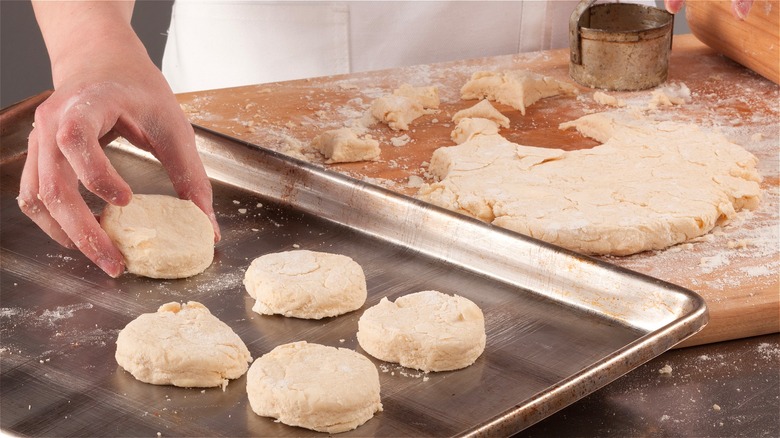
217 44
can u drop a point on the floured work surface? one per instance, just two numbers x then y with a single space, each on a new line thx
734 267
558 325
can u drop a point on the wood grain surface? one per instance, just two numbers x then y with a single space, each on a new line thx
753 42
735 268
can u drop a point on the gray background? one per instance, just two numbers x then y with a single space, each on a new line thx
24 63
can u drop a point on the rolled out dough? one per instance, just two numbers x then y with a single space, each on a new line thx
428 331
305 284
161 236
322 388
181 345
649 186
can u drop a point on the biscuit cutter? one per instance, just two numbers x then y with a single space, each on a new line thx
619 46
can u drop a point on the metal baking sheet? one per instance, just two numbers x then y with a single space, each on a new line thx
559 325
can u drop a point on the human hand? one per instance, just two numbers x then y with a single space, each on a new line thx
740 8
103 91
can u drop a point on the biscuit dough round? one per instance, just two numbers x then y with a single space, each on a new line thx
428 331
182 345
161 236
322 388
305 284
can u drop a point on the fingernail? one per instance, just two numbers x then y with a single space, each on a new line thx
111 267
217 233
742 8
121 198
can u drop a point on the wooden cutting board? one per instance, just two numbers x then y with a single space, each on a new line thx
735 268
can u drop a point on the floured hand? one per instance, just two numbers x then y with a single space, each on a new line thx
105 86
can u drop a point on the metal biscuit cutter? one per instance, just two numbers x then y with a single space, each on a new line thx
619 46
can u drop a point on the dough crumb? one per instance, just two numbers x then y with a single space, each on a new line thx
605 99
739 244
667 369
415 181
716 407
670 95
401 140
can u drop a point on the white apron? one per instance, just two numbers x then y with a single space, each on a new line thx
218 44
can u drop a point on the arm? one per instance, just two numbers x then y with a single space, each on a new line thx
105 86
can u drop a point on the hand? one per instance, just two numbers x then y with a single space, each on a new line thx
740 8
104 88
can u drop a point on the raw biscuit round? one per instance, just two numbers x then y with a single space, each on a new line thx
314 386
182 345
428 331
161 236
305 284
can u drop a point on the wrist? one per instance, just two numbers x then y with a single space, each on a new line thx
89 55
80 35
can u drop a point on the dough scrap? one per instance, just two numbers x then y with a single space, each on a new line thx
469 128
305 284
669 95
396 111
516 88
406 104
650 185
482 110
322 388
161 236
343 146
428 331
603 98
182 345
427 97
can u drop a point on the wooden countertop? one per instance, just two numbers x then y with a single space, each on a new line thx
735 268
